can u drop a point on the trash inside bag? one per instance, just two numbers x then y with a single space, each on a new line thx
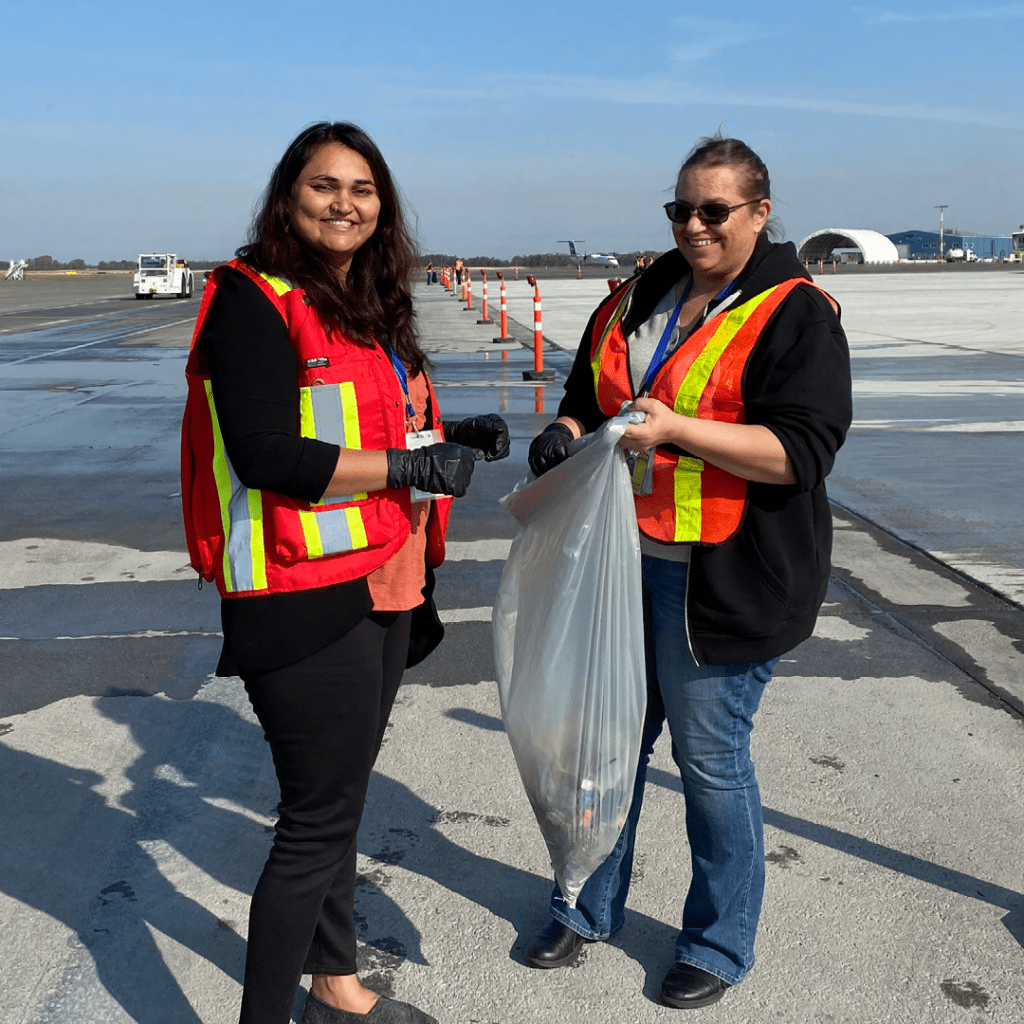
569 650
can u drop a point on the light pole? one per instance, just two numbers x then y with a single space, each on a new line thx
942 254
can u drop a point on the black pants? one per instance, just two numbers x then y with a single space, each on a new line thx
324 719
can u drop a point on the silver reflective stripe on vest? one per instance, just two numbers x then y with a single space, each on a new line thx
335 534
239 533
328 415
330 412
241 512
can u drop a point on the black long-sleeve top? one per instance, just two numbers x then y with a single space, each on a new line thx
255 390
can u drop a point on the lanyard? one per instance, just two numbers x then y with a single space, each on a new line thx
403 379
659 359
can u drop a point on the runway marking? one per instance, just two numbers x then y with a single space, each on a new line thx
943 426
477 550
936 388
450 615
47 562
140 634
99 341
497 384
28 310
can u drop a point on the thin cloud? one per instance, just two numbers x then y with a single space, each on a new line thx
876 16
672 92
700 38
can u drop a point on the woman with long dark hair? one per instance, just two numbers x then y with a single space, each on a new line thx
316 483
741 366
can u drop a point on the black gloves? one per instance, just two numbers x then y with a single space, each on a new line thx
487 433
550 447
438 468
446 468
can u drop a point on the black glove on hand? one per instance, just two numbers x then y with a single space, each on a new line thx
488 433
438 468
549 448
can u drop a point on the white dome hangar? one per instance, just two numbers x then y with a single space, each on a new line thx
874 247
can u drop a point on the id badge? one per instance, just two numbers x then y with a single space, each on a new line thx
641 470
420 439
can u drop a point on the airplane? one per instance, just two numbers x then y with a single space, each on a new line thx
16 270
597 259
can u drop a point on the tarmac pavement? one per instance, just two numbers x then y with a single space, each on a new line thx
139 795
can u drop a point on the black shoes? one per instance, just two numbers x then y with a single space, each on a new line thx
556 946
384 1011
686 986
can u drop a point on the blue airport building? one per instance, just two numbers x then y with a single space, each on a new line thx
924 245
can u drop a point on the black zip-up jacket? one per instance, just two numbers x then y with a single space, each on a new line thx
757 595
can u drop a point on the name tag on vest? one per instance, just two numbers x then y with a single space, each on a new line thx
641 470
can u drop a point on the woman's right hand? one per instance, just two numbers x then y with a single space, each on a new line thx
443 468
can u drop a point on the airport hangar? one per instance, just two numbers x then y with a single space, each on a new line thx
875 247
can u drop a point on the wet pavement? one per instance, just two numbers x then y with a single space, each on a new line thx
139 795
938 369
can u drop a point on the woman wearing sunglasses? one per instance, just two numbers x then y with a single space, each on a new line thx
742 367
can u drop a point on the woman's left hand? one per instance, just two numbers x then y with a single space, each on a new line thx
487 434
747 450
660 426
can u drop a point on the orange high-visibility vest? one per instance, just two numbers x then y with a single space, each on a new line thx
692 501
253 542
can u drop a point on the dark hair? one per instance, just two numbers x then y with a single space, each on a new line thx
376 299
717 151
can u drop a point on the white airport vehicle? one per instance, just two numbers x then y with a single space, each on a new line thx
596 259
957 255
162 273
16 270
1013 257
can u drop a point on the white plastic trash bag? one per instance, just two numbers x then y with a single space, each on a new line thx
569 650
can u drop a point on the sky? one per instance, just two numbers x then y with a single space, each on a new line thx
507 127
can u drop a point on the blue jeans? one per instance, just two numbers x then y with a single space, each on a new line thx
710 711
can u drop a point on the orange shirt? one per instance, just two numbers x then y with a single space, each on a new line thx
397 586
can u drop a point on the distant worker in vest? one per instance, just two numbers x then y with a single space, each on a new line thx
317 477
742 369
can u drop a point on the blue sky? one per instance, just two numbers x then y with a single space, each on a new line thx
508 127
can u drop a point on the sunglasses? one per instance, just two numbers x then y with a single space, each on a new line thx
709 213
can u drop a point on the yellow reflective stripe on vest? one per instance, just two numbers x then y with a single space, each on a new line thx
256 548
686 480
696 380
620 310
279 284
332 531
241 513
330 412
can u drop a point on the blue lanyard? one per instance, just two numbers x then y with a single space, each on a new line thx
403 379
659 359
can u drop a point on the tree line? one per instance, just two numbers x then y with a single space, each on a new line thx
49 263
536 259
